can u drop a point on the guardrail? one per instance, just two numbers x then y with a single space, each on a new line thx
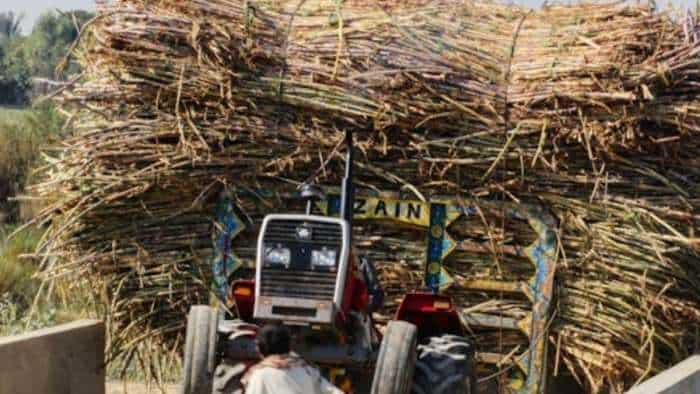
66 359
682 378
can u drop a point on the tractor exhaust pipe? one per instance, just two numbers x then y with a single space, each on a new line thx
347 198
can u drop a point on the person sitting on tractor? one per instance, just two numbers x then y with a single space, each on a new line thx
283 372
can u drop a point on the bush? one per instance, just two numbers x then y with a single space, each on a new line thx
17 284
22 135
15 72
19 289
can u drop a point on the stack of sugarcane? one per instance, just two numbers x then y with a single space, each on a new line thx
591 111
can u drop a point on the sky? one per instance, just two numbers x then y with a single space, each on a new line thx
33 8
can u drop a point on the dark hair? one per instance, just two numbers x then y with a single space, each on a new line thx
273 339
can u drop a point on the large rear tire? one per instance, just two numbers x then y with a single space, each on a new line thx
228 378
445 365
240 339
200 350
393 373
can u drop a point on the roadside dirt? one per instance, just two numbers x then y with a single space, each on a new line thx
121 387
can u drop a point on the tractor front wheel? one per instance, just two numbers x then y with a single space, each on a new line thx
393 373
200 350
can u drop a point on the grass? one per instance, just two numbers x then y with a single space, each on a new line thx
23 132
19 287
12 115
17 283
16 276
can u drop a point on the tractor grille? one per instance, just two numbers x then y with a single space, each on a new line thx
299 280
297 284
323 234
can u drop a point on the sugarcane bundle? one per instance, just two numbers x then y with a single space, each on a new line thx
446 67
590 111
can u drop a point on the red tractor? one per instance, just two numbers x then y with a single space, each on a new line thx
308 278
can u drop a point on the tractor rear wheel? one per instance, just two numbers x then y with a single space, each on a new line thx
393 373
228 378
240 339
200 350
445 366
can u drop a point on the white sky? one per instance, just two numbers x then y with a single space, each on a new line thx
33 8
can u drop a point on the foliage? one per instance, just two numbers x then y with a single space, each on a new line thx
37 55
50 40
9 25
15 72
13 319
12 115
16 276
19 287
22 135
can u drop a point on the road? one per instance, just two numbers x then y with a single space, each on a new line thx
121 387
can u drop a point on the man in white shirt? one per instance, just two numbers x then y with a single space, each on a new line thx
283 372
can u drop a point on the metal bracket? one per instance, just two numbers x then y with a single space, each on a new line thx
227 225
539 290
434 254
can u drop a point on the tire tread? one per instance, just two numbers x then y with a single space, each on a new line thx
444 366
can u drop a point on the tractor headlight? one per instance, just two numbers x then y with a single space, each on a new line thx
324 258
278 256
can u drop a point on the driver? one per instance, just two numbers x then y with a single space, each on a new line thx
281 371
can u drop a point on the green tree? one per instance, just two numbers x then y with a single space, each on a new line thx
37 55
15 76
9 25
51 38
15 72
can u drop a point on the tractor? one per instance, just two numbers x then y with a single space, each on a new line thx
309 277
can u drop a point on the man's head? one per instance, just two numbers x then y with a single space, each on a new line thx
273 339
